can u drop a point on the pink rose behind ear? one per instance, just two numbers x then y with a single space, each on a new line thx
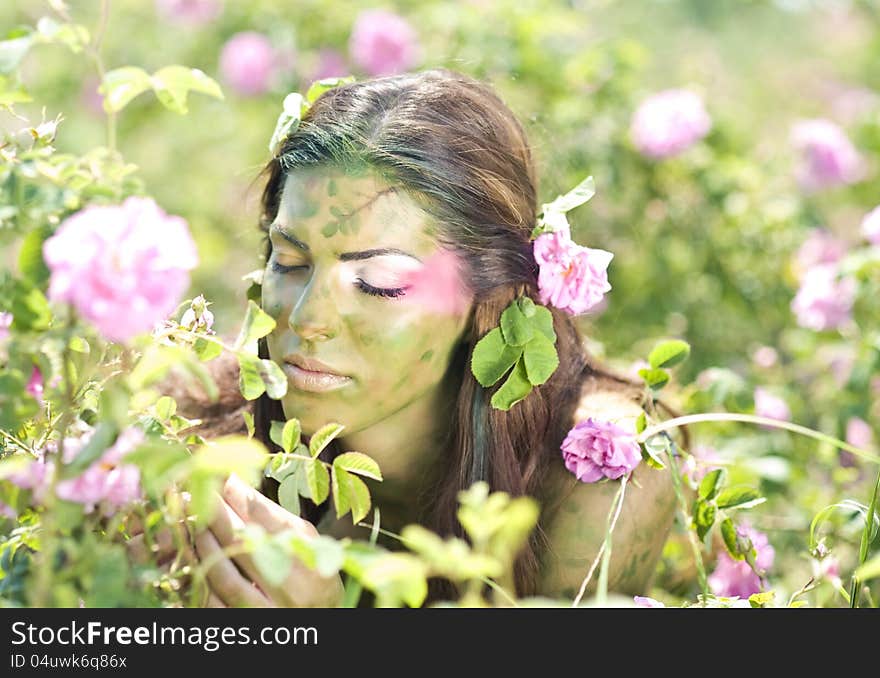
570 277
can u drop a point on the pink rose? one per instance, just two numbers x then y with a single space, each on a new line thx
594 450
248 63
124 268
667 123
571 277
34 386
765 357
827 156
331 64
383 43
190 12
824 301
821 247
770 406
859 433
735 577
871 226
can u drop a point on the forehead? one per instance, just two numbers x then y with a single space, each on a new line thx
329 208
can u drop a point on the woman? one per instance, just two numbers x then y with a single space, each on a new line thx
425 177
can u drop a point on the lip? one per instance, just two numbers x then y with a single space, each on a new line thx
307 374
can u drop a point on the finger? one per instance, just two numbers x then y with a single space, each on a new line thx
224 578
251 505
162 547
213 601
226 527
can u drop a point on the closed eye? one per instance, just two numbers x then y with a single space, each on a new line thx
281 268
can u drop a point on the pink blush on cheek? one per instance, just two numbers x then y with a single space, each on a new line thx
438 285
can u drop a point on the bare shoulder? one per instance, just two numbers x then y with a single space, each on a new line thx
576 513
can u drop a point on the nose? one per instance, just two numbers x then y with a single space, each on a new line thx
314 317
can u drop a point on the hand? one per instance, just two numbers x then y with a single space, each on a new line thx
236 581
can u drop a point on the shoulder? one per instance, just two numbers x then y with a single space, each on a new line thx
576 514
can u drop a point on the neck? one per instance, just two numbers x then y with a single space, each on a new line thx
406 446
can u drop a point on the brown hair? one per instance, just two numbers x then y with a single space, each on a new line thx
451 143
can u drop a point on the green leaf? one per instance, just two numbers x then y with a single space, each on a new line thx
669 353
576 197
166 407
739 497
30 308
12 92
358 497
206 350
339 488
288 493
30 257
322 438
527 306
869 570
272 560
492 357
655 378
654 449
323 554
731 539
160 462
361 464
236 454
292 110
761 599
711 484
250 383
641 422
274 379
318 87
256 325
516 329
542 321
203 487
101 439
74 36
318 479
173 84
849 505
290 434
121 85
704 517
13 51
540 359
514 389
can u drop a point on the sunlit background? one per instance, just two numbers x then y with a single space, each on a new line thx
708 239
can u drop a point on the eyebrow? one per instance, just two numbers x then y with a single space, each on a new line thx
345 256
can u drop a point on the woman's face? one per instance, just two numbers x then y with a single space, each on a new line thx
345 249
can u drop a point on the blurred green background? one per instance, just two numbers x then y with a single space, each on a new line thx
705 242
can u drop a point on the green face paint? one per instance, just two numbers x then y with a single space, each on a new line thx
337 301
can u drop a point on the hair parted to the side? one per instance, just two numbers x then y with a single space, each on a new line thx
452 144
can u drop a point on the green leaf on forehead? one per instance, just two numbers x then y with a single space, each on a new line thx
330 228
173 84
515 327
257 324
492 357
540 359
514 389
542 321
121 85
249 380
318 87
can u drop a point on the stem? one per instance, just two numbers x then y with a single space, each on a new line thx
94 51
865 542
686 517
613 515
752 419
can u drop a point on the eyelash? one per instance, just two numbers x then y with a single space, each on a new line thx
367 288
